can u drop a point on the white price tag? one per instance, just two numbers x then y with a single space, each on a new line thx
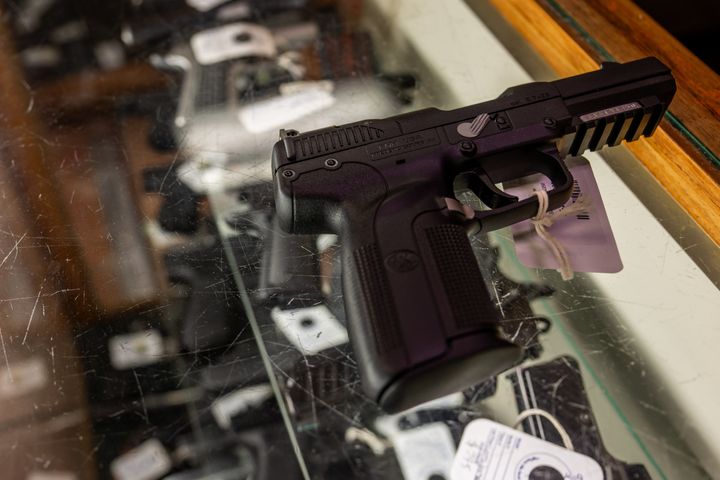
586 236
210 173
234 11
239 401
237 40
281 111
425 452
148 461
312 329
325 241
291 88
136 349
41 56
490 450
204 5
23 377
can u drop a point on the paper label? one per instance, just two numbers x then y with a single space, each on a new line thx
208 174
489 450
281 111
136 349
51 475
425 452
312 329
110 55
41 56
237 40
239 401
325 241
204 5
586 236
291 88
23 377
234 11
148 461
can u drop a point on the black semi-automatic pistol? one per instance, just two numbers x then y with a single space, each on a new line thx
420 318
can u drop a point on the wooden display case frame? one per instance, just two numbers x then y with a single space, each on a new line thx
576 36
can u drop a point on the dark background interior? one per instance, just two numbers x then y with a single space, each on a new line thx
696 23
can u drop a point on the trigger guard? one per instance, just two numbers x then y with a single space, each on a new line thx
509 209
483 186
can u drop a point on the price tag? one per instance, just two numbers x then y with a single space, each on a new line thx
234 11
425 452
23 377
148 461
489 450
237 40
239 401
312 329
136 349
204 5
283 110
586 235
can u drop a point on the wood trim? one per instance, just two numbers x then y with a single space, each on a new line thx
97 89
24 149
682 169
624 32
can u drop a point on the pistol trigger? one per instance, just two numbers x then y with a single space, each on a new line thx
488 192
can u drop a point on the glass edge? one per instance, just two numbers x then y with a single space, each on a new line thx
267 362
586 365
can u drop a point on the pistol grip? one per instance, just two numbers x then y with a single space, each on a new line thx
420 317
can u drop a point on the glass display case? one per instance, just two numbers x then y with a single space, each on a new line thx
159 322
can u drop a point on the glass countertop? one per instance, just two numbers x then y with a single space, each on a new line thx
158 321
601 349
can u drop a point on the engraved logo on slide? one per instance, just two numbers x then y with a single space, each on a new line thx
473 129
608 112
402 261
401 145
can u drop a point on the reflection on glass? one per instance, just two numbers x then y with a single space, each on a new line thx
157 322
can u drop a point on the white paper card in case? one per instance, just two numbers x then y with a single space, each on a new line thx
23 377
148 461
425 452
235 40
586 236
204 5
281 111
492 451
239 401
134 350
312 329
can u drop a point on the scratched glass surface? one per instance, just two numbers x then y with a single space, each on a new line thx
156 322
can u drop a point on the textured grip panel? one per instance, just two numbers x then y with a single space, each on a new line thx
376 295
460 274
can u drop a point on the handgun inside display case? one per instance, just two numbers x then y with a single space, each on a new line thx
159 320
